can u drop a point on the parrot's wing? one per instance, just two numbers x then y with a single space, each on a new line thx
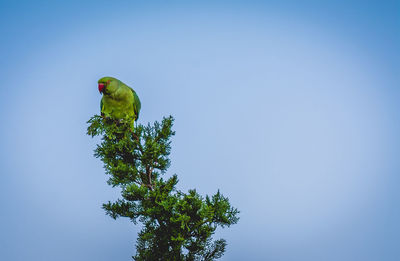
136 103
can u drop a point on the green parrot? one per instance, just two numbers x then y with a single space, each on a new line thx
119 101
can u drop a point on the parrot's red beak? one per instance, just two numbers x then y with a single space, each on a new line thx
101 87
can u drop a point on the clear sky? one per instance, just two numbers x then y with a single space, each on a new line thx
290 109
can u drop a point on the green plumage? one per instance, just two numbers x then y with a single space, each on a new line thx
119 101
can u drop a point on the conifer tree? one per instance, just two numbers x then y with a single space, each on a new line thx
176 225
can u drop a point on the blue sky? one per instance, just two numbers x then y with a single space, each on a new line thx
290 109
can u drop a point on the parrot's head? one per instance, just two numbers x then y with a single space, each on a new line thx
108 85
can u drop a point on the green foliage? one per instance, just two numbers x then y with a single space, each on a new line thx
176 225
